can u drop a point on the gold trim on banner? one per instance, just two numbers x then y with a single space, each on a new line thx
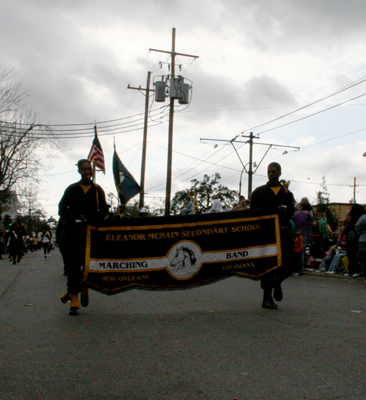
190 225
87 252
183 225
278 240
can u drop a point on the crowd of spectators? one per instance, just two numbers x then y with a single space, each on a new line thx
342 251
15 241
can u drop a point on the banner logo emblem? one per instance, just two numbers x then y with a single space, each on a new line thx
184 260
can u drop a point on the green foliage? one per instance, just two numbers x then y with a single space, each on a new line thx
323 206
7 221
132 211
205 191
36 221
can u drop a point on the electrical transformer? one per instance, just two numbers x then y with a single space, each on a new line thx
160 87
184 94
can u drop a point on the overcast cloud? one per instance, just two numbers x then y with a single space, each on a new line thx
258 61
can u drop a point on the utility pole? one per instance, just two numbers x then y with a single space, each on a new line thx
168 189
250 171
354 190
144 142
173 53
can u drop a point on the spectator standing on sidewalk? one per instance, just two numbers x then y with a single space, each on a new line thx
356 211
301 219
82 202
306 206
360 228
46 241
274 195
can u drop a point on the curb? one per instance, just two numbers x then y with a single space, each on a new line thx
316 272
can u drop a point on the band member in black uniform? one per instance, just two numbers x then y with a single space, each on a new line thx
82 202
274 195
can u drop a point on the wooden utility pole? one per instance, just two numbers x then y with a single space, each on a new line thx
354 190
144 141
173 53
168 189
250 171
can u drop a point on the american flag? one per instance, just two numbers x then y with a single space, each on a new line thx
96 155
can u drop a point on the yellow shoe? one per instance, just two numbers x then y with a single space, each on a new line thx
65 297
74 305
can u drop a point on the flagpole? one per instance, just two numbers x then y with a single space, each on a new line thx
96 156
94 173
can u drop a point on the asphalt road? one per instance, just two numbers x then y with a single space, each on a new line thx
213 342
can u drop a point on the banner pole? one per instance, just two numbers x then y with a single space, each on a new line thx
94 173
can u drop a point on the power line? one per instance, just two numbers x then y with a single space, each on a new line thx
355 83
334 138
105 128
185 172
311 115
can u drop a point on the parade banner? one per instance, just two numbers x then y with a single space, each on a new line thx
180 252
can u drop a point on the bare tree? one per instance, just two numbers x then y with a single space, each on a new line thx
24 145
28 196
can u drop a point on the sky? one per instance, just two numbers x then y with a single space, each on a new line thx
293 73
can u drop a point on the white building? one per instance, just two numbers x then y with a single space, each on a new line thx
10 206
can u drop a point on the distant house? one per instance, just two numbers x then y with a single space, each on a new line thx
341 210
10 206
